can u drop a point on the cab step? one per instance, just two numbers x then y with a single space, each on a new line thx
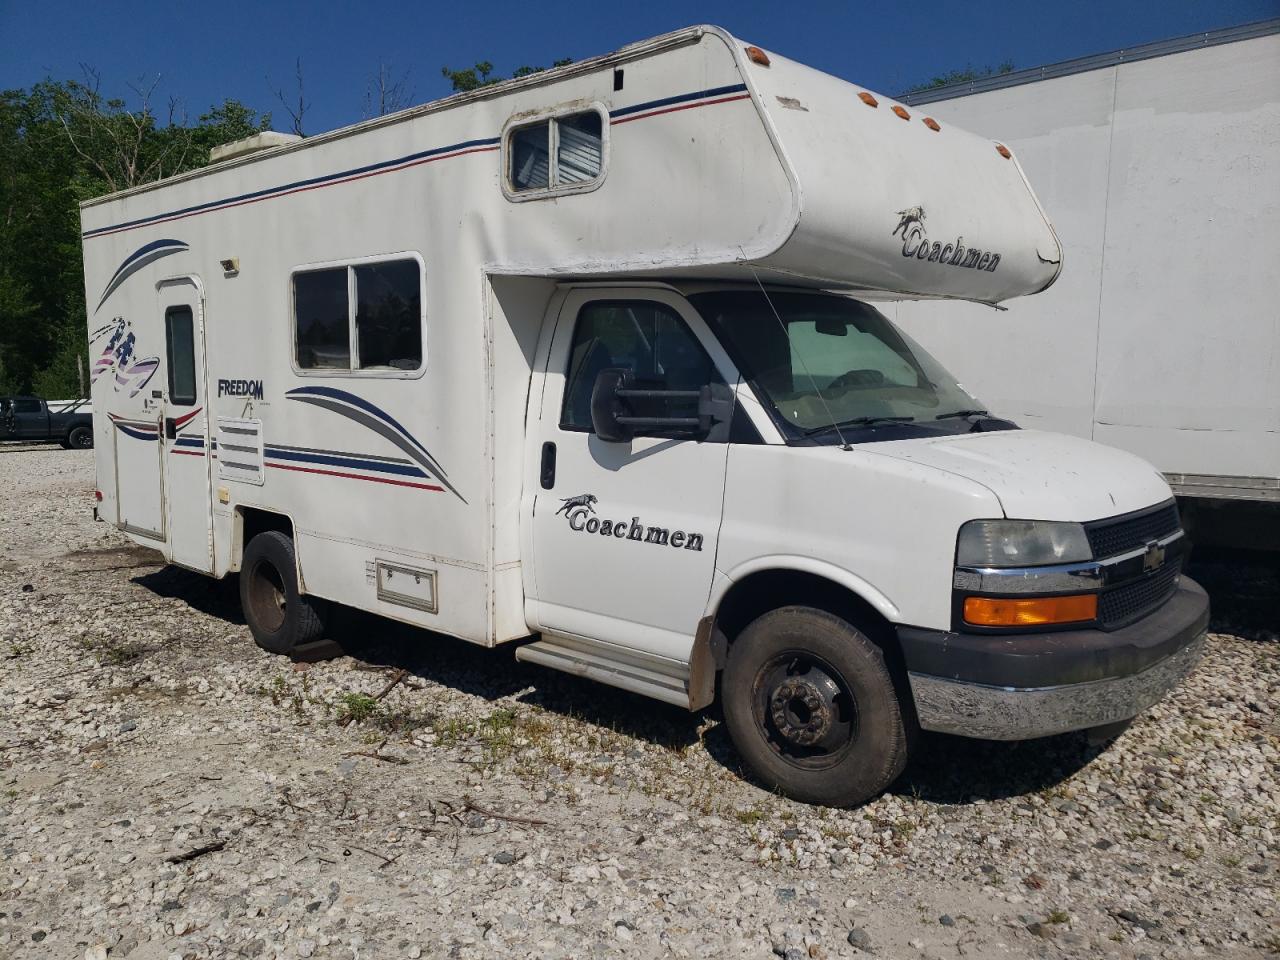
657 677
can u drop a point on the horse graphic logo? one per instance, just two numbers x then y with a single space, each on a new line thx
118 356
582 501
910 220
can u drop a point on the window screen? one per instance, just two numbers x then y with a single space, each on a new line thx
649 339
388 315
179 335
529 152
576 140
384 316
322 314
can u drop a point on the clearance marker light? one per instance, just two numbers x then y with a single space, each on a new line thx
901 111
1029 611
868 99
931 123
1003 151
756 55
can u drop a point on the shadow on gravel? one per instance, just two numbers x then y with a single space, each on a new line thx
1244 591
957 770
217 598
493 674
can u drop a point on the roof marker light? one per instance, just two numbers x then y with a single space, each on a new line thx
931 123
756 55
1003 151
901 111
868 99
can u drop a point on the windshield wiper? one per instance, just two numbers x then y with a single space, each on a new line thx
963 413
857 422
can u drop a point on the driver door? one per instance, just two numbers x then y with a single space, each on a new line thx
624 534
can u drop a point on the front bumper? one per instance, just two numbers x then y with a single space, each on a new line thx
1021 686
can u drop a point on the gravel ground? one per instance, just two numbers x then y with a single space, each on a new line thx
487 808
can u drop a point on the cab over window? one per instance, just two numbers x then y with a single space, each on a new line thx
575 140
362 317
649 339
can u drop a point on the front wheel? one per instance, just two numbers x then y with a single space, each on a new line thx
80 438
811 708
280 618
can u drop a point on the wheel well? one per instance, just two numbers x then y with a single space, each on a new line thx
250 521
757 594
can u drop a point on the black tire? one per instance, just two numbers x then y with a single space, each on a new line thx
80 438
280 618
810 706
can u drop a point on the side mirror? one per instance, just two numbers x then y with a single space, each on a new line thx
612 415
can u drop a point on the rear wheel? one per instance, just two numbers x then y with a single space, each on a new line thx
280 618
811 707
80 438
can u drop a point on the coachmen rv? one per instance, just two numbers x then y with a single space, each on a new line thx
589 362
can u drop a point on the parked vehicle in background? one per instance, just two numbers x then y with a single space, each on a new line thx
33 420
1161 166
585 361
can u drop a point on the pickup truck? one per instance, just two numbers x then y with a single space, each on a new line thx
32 420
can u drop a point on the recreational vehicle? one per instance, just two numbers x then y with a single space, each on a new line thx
590 362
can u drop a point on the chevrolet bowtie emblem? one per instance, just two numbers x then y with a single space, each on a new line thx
1153 558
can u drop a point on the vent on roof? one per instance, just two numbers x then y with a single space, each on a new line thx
259 141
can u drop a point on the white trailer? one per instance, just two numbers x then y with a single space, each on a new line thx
557 361
1161 165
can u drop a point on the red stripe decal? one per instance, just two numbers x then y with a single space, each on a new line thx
188 453
356 476
686 106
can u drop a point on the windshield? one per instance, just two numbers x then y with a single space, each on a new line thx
823 358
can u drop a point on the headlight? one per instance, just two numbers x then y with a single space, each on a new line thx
1021 543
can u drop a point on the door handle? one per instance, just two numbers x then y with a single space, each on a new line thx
170 428
547 475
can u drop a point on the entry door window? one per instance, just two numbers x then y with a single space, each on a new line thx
179 331
647 338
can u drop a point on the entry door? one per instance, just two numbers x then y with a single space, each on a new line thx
624 534
185 427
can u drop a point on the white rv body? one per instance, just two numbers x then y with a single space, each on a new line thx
453 492
1161 165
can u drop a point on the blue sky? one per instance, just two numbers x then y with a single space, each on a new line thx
207 51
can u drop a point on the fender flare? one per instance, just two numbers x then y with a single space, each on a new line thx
856 585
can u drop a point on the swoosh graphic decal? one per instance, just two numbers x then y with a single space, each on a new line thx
379 421
148 253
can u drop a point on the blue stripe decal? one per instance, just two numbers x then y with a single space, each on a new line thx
682 98
136 434
298 184
144 255
378 466
385 165
189 442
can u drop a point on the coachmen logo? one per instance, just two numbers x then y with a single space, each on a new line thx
916 244
580 510
1153 559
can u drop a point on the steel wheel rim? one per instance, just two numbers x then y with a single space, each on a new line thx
267 595
805 710
84 440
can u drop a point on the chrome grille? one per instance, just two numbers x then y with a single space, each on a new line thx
1129 601
1121 534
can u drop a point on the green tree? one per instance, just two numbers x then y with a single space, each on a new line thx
963 76
481 75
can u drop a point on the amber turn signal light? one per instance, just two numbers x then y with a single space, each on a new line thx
1029 611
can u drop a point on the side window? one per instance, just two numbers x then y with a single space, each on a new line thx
575 141
179 335
26 405
649 339
365 317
